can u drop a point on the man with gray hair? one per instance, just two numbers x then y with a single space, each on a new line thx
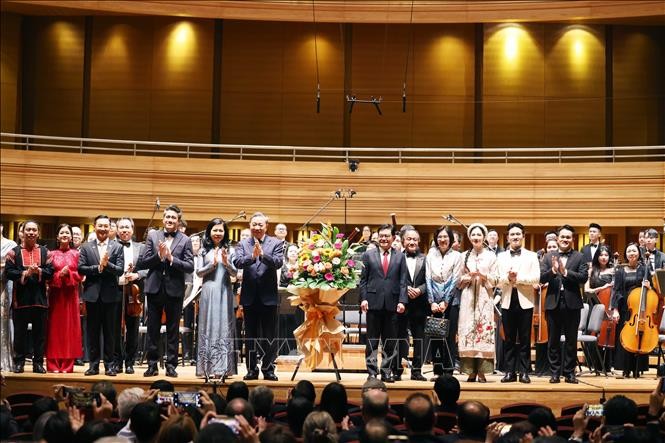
259 257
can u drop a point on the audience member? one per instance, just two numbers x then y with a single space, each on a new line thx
319 427
297 411
472 419
145 421
447 390
58 429
237 389
277 434
420 418
262 400
334 401
177 429
216 433
541 418
162 385
240 406
91 431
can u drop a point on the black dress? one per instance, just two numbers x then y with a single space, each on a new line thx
624 282
598 280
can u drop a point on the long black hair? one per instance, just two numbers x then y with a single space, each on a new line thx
208 244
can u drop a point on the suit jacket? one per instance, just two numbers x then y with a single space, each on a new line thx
586 252
138 250
578 273
259 275
161 272
383 291
101 284
528 274
418 306
659 259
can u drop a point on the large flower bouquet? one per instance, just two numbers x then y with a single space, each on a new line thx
326 261
326 270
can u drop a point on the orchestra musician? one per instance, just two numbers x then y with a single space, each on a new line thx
127 343
589 250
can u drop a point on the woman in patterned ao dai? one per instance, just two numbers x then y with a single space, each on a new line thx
476 317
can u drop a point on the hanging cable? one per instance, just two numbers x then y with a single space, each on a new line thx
408 55
316 60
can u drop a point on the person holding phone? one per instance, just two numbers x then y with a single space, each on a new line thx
216 353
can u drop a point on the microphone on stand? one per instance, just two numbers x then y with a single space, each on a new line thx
157 203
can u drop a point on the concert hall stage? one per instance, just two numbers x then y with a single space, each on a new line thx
493 393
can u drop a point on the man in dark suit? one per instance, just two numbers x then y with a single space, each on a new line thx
589 250
382 296
259 257
168 257
656 257
127 340
566 271
101 261
417 309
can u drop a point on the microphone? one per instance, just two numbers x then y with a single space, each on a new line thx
242 215
157 203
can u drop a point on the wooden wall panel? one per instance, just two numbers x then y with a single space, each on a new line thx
152 79
616 195
9 70
574 85
269 84
121 75
514 86
58 76
639 89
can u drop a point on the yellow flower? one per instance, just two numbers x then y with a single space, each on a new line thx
344 270
329 266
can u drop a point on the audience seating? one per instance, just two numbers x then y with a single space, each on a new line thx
521 408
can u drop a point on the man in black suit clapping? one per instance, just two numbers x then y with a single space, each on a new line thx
168 257
566 271
101 261
382 296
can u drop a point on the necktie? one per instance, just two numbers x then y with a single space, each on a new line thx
384 263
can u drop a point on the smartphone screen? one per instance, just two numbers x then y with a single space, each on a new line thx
188 399
84 399
594 411
165 398
229 422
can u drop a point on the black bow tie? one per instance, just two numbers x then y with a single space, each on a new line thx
412 254
565 254
126 244
169 234
515 252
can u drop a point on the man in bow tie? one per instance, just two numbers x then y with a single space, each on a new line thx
518 271
127 340
168 257
589 250
417 309
565 271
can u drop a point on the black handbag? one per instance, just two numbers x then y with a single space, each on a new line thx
436 327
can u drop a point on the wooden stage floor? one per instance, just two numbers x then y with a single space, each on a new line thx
493 393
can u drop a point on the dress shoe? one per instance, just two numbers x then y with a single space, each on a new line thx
170 372
118 369
554 379
92 371
270 376
371 377
472 378
110 372
78 362
524 378
387 379
151 371
509 377
571 379
251 375
38 368
418 376
19 368
397 377
481 378
129 369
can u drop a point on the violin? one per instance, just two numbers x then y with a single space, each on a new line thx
640 332
134 304
607 333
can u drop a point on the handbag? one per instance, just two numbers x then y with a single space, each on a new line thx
436 327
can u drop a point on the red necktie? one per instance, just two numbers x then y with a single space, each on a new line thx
384 263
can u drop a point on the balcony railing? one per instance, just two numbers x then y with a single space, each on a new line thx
31 142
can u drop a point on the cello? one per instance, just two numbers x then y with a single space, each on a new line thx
640 332
607 333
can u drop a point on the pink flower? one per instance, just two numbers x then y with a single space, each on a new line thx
338 245
316 258
351 263
340 235
311 246
489 328
329 276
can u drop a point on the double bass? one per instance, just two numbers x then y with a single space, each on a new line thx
640 332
